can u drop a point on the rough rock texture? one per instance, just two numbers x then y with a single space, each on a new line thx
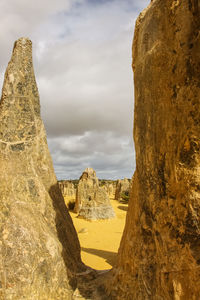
110 189
67 188
39 249
159 256
122 187
92 201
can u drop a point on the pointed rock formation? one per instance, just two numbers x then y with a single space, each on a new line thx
39 249
159 256
92 201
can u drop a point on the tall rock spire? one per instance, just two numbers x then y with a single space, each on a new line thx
159 256
39 248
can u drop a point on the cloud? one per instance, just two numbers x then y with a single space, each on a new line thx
103 152
27 18
82 59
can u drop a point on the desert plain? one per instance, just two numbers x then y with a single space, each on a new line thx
100 239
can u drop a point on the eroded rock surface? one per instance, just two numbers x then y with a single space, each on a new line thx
159 256
110 188
92 201
67 188
122 189
39 249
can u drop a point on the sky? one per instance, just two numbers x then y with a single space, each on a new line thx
82 61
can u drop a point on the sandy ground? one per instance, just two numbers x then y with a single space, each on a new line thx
100 239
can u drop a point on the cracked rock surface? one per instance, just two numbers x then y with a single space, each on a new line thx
39 248
159 255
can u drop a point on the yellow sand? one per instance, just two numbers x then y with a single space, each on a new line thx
100 239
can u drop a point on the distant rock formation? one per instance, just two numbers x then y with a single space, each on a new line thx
122 189
159 255
92 201
110 189
39 248
67 188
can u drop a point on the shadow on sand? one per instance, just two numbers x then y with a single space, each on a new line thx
86 279
123 207
109 256
70 246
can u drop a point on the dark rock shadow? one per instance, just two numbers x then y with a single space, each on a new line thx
109 256
123 207
87 280
70 244
123 201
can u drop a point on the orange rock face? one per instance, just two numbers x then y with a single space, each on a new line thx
159 256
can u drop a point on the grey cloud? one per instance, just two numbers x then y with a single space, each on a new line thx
91 142
106 154
90 91
29 19
82 59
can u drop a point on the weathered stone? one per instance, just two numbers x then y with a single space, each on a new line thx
122 189
159 256
67 188
110 189
39 248
92 201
